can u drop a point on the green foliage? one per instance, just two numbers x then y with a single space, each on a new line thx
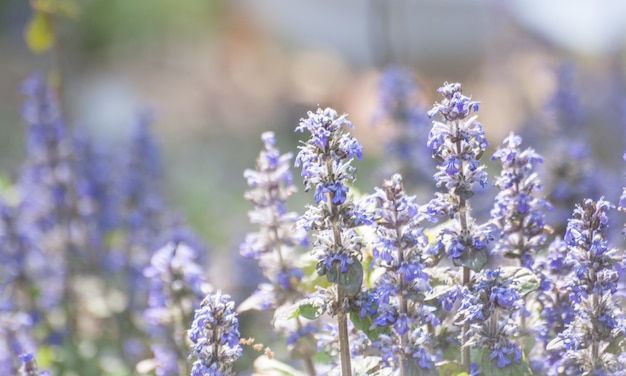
474 260
122 22
366 325
489 367
351 280
525 281
306 308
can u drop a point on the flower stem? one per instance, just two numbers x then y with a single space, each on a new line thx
344 342
465 354
467 274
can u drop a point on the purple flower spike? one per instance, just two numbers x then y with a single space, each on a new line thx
215 336
518 211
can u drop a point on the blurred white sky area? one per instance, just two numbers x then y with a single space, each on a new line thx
583 26
588 27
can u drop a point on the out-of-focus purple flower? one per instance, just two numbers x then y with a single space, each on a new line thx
565 103
273 246
43 223
622 199
271 184
215 336
15 338
98 199
407 151
573 172
177 285
47 180
143 206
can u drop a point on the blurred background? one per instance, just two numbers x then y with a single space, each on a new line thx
219 73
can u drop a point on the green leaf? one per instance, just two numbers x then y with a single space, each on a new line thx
311 280
475 259
616 345
351 280
411 368
529 343
525 281
39 33
305 308
309 311
489 367
365 324
322 357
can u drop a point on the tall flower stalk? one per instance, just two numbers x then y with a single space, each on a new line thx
273 246
458 142
326 168
398 249
591 343
556 310
518 211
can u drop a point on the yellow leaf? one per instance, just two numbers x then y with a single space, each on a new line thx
39 34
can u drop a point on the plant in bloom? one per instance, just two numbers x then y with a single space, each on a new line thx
591 343
518 212
87 263
399 250
492 305
215 336
326 159
555 308
273 246
457 142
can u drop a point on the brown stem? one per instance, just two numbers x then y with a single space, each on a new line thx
465 354
344 342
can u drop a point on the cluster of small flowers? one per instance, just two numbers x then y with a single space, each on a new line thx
409 272
400 291
215 337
